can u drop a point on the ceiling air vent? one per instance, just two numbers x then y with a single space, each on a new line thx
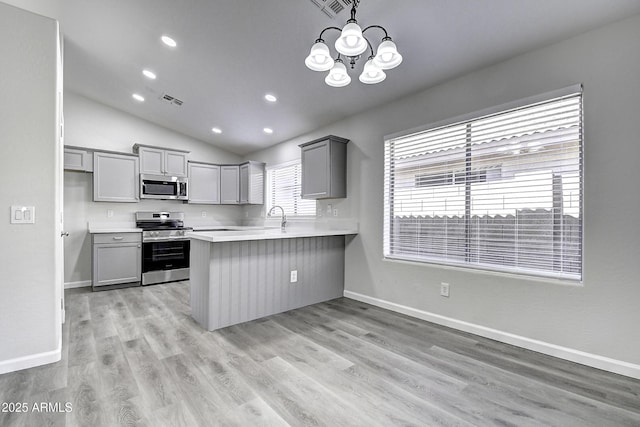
171 99
332 8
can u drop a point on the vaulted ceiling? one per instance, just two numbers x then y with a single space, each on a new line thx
231 53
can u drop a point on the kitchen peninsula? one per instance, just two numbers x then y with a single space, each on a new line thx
242 275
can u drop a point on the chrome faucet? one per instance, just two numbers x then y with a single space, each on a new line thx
284 217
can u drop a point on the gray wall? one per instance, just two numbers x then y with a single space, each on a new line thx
28 163
94 125
600 316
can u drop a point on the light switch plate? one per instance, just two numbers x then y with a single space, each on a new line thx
23 214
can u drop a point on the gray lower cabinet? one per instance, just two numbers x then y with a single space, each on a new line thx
117 259
204 183
229 184
115 177
235 282
324 168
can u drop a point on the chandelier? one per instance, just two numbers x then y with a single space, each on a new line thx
351 45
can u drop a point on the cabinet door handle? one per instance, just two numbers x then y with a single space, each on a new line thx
118 238
139 246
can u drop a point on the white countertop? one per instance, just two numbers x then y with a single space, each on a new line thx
256 233
225 227
108 229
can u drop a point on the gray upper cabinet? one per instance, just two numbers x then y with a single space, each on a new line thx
229 184
204 183
78 159
175 163
226 184
115 177
324 168
252 183
159 161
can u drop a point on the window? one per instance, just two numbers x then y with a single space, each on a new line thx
448 178
498 191
284 189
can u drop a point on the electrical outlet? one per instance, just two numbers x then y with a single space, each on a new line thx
109 213
329 209
444 289
204 214
294 276
335 212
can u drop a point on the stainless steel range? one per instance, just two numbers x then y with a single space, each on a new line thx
165 249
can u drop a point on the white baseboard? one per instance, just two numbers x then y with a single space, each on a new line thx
31 361
80 284
572 355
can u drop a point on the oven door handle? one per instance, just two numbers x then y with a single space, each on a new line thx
163 239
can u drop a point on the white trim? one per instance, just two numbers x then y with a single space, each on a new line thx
572 355
470 268
32 360
547 96
80 284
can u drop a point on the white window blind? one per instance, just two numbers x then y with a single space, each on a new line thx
501 191
284 189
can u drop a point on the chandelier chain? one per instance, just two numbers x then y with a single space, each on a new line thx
354 6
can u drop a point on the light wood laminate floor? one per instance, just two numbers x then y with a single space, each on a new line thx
135 357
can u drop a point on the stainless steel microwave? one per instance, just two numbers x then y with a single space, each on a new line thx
163 187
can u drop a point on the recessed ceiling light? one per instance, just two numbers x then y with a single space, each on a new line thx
168 41
149 74
216 130
137 97
268 130
271 98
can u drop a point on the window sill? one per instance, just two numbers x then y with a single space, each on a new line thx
487 272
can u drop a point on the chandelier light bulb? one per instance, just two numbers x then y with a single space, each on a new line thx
338 76
319 58
372 74
351 42
387 56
